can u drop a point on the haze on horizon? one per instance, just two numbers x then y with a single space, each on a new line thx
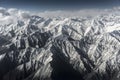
42 5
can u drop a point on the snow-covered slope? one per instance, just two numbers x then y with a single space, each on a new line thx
38 48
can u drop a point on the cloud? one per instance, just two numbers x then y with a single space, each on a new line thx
80 13
12 14
19 13
3 11
25 15
74 13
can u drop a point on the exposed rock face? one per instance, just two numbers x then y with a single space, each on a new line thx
38 48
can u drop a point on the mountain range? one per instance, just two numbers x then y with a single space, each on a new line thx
59 48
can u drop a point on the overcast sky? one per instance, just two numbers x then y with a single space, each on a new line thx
58 4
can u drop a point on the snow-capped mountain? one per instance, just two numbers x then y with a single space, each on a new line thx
59 48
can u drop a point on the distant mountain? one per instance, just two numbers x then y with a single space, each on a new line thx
59 48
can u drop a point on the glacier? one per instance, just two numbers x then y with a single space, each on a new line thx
59 48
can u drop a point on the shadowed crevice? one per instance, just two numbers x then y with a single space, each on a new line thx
63 70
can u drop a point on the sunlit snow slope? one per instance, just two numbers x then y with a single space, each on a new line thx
59 48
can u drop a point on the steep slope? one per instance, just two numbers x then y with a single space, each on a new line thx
38 48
